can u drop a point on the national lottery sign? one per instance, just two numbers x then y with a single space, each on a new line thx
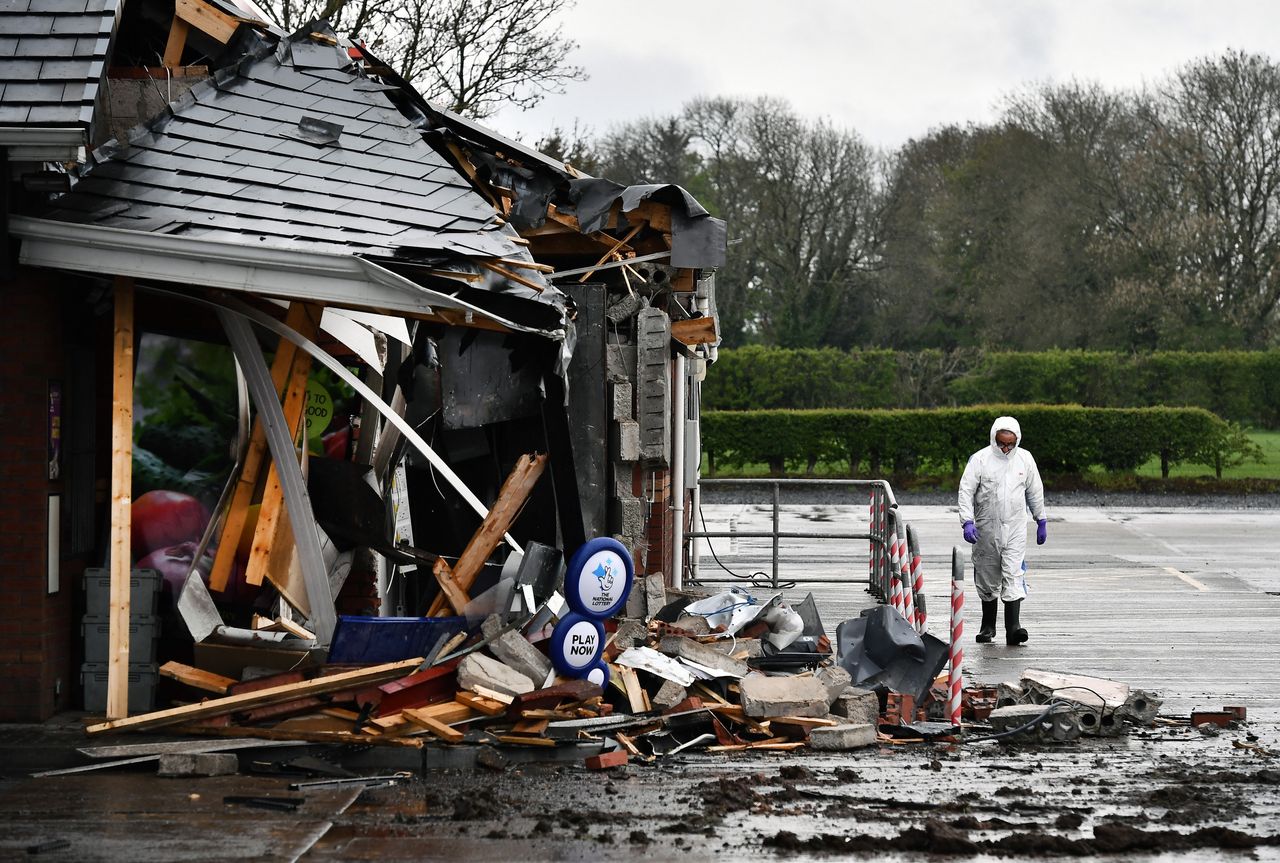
598 578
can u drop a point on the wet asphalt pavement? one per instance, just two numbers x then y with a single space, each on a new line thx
1184 601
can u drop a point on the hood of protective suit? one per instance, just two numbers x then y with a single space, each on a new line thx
1006 424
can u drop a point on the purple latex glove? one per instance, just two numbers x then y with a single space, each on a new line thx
1042 530
970 532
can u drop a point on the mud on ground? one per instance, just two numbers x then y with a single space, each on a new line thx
1168 794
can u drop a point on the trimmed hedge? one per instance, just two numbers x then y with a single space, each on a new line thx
1242 386
1064 439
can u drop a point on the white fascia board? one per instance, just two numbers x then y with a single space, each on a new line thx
340 279
48 144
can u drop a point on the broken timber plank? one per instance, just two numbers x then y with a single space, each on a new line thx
480 704
519 740
449 588
433 725
178 31
207 19
260 698
272 539
297 735
197 678
121 501
515 277
515 491
298 318
694 331
636 696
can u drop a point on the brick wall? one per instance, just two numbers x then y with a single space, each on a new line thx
38 650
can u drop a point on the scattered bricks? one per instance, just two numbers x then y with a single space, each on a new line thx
606 760
859 705
1060 724
476 669
693 702
199 764
1221 718
899 709
696 651
765 697
836 679
1239 711
514 650
668 695
655 594
840 738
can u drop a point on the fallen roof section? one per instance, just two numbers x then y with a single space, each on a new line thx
288 153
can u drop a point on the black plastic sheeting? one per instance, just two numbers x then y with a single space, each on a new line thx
697 238
881 648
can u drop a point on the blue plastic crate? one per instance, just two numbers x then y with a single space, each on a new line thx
358 640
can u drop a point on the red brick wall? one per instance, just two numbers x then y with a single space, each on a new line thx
37 651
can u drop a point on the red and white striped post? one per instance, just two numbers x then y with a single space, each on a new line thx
871 545
917 588
895 582
904 575
954 681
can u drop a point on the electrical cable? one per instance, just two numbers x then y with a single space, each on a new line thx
758 579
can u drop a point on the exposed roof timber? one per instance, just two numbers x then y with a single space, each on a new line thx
35 144
338 279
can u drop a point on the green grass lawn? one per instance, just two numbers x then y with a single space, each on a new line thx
1268 469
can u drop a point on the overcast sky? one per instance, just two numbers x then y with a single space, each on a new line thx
890 69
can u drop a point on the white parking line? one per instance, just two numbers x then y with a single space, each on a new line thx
1188 579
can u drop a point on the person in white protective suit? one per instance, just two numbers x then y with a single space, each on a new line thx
1000 483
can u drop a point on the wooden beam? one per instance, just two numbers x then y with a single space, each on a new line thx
694 331
297 734
480 704
197 678
260 697
298 318
527 265
433 725
207 19
121 500
515 491
612 251
449 588
177 41
515 277
270 537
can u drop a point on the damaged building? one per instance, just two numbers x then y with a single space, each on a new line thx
277 321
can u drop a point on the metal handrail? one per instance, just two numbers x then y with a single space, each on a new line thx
878 575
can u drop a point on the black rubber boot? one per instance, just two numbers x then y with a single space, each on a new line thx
1013 634
988 630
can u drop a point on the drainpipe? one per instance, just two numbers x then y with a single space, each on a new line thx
677 474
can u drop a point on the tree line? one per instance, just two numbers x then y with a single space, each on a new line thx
1082 218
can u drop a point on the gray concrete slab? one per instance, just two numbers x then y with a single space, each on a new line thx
1185 601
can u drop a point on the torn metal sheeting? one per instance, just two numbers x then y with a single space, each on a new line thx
298 503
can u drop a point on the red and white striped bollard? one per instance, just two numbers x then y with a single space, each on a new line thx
955 683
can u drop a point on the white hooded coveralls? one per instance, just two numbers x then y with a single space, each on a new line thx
996 491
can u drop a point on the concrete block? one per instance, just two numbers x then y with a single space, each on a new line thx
620 362
742 648
835 678
1141 707
630 632
476 669
626 516
858 705
764 697
669 695
1010 693
625 444
841 738
513 650
704 654
199 764
655 594
621 395
1061 724
694 624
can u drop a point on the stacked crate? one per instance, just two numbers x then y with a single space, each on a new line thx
144 598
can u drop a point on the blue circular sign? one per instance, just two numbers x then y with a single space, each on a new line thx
577 643
598 674
598 578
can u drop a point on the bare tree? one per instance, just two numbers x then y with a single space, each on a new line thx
472 56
